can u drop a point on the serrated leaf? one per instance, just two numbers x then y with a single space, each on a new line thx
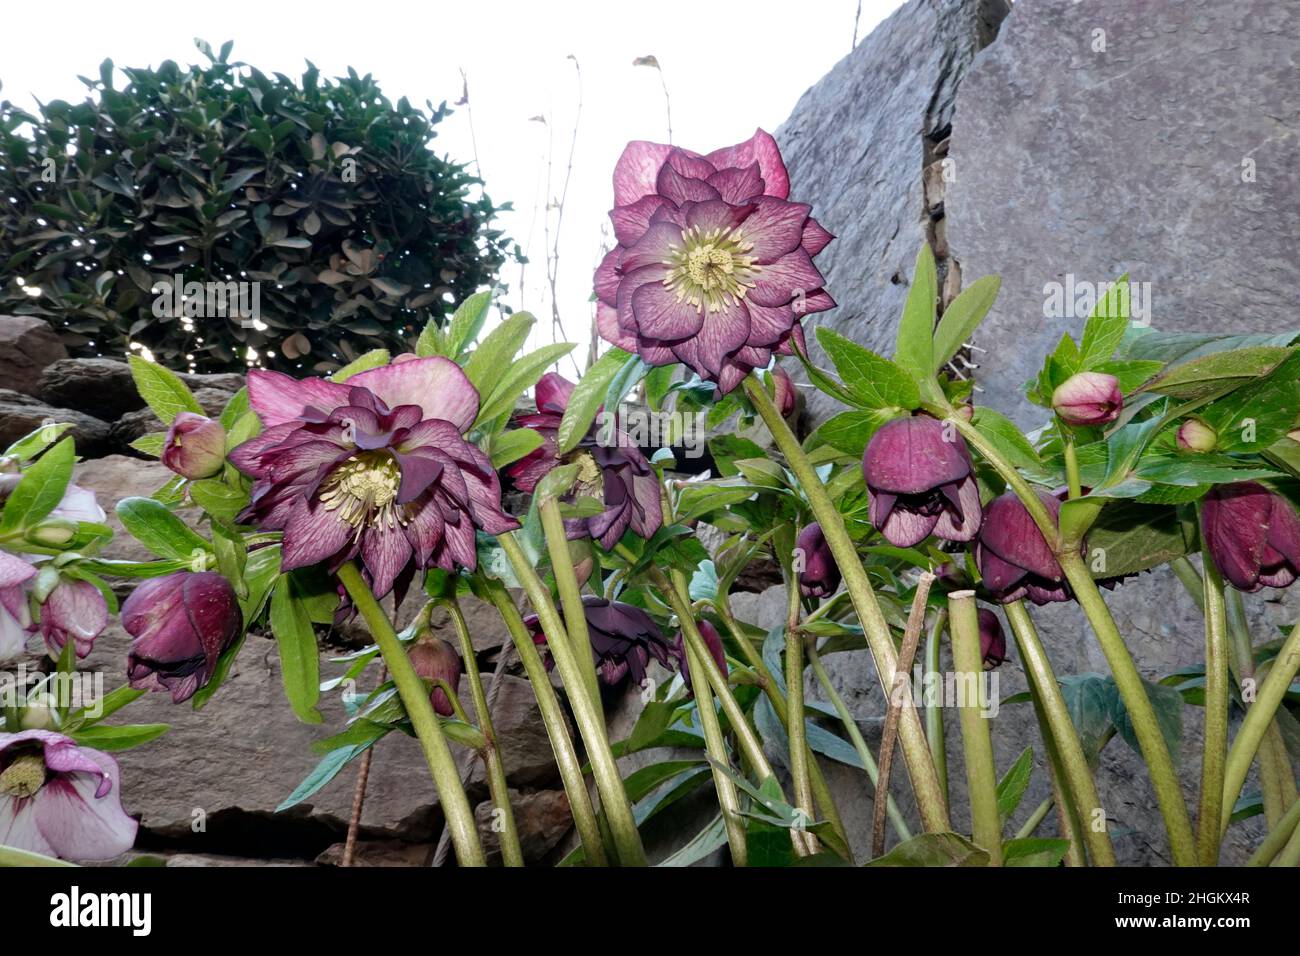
40 489
484 365
934 849
588 395
521 375
1208 374
162 390
915 348
875 381
1002 433
1105 327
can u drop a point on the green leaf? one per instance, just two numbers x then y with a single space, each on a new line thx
1011 788
1168 705
35 442
850 431
162 532
484 365
218 499
915 348
1034 851
1002 433
299 662
1105 327
876 382
962 318
1129 537
151 445
12 856
508 447
1204 376
321 774
522 375
467 322
162 390
372 359
40 489
588 395
934 849
119 737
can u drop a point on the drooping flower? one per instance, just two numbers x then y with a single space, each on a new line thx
74 610
993 643
434 659
1196 436
623 639
59 799
195 446
712 640
1088 398
15 614
614 469
713 265
374 468
1014 558
819 575
920 482
1252 534
181 624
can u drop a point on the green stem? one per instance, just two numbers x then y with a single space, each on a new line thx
1290 855
586 709
566 582
566 757
716 747
415 698
1079 792
916 752
512 853
934 731
855 735
1216 715
1277 838
1190 579
794 724
977 744
1036 819
1258 718
1072 469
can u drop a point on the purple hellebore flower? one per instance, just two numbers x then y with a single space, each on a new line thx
75 610
1252 534
713 266
61 800
434 659
195 446
15 615
181 624
993 643
1088 398
623 639
712 639
617 471
1014 558
375 468
920 482
820 575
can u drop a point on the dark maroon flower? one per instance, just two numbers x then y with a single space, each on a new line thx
195 446
617 472
819 575
434 659
993 643
1088 398
713 266
623 639
920 482
1252 534
785 397
712 640
181 624
375 468
1014 558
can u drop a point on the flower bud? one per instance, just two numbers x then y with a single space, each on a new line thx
785 396
993 643
1088 398
53 533
434 659
73 610
1196 436
39 713
819 575
181 624
195 446
712 639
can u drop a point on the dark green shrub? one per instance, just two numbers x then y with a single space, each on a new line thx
322 192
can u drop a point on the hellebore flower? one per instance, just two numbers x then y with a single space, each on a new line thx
75 610
614 469
15 615
713 265
820 575
181 624
1014 558
993 643
195 446
920 482
1196 436
375 467
712 640
434 659
623 639
1252 534
61 800
785 394
1088 398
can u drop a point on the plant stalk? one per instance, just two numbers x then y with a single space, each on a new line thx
805 842
981 774
1216 714
934 731
566 582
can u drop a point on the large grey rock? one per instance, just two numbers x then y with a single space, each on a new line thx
27 346
857 146
104 387
1072 161
21 414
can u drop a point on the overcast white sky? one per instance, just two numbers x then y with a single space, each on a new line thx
729 67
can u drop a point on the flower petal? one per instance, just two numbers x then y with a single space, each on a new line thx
815 237
14 570
660 314
637 170
738 184
785 279
436 384
775 228
81 824
653 249
312 535
632 220
279 398
760 148
677 188
606 279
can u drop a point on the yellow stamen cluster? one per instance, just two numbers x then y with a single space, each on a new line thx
711 270
24 776
363 490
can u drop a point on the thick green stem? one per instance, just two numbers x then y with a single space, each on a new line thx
1277 838
716 747
1258 718
1072 469
934 731
1076 777
1216 715
916 752
1190 579
415 698
977 744
586 709
512 853
566 757
794 724
1036 818
566 582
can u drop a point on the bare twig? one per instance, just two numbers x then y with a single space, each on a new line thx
856 17
553 242
359 794
652 61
